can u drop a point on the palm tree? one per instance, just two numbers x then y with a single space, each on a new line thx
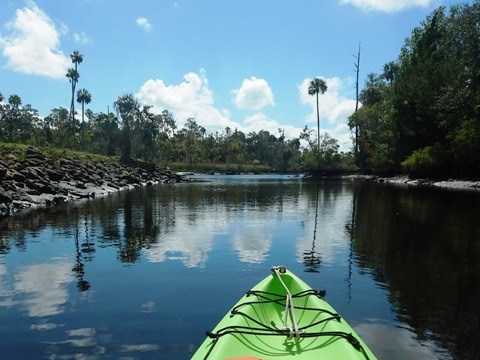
83 97
73 76
128 108
77 58
316 86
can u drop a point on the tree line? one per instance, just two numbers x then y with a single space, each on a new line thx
134 131
421 115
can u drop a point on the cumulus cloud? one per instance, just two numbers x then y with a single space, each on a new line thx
388 6
32 45
254 94
334 109
192 98
144 24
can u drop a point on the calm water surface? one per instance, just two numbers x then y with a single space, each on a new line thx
142 274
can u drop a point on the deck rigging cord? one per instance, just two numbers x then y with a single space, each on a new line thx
291 331
289 307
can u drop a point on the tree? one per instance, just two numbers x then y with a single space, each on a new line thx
73 76
105 133
357 72
128 108
317 86
83 97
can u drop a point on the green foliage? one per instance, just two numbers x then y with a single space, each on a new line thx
426 100
426 162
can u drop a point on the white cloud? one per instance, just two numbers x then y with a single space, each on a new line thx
388 6
81 38
254 94
190 99
260 121
334 109
144 23
32 46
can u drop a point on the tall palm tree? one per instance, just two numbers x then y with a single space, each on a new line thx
83 97
77 58
316 86
73 76
128 108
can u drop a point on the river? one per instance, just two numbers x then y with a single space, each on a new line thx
142 274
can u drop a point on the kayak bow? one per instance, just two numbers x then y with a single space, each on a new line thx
282 317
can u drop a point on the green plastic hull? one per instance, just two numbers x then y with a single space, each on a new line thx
256 329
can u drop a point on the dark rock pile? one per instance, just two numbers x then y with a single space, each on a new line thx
37 180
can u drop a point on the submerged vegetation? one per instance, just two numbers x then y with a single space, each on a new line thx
420 116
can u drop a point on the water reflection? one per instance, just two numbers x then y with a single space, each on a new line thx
425 245
44 287
311 258
401 262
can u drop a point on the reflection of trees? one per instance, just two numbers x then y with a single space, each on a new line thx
79 267
141 224
311 258
424 244
350 227
83 252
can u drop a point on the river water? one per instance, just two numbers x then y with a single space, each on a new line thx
142 274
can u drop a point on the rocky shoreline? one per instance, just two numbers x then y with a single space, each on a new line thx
36 180
450 184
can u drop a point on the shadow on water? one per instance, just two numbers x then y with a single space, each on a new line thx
423 245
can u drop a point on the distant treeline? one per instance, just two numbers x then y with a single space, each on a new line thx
420 116
134 131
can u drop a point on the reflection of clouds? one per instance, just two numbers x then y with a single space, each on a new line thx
43 325
3 270
252 243
45 284
139 347
83 337
6 293
388 341
189 241
148 307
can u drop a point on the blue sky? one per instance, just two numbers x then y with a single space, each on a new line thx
244 64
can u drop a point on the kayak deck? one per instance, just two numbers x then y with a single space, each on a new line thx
282 317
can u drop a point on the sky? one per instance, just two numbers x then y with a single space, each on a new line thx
243 64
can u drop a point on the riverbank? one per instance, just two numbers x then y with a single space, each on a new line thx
450 184
33 179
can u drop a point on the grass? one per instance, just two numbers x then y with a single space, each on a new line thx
19 150
219 168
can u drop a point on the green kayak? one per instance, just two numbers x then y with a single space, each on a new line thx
282 317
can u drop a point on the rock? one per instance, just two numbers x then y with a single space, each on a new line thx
5 198
54 175
33 153
17 176
38 180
